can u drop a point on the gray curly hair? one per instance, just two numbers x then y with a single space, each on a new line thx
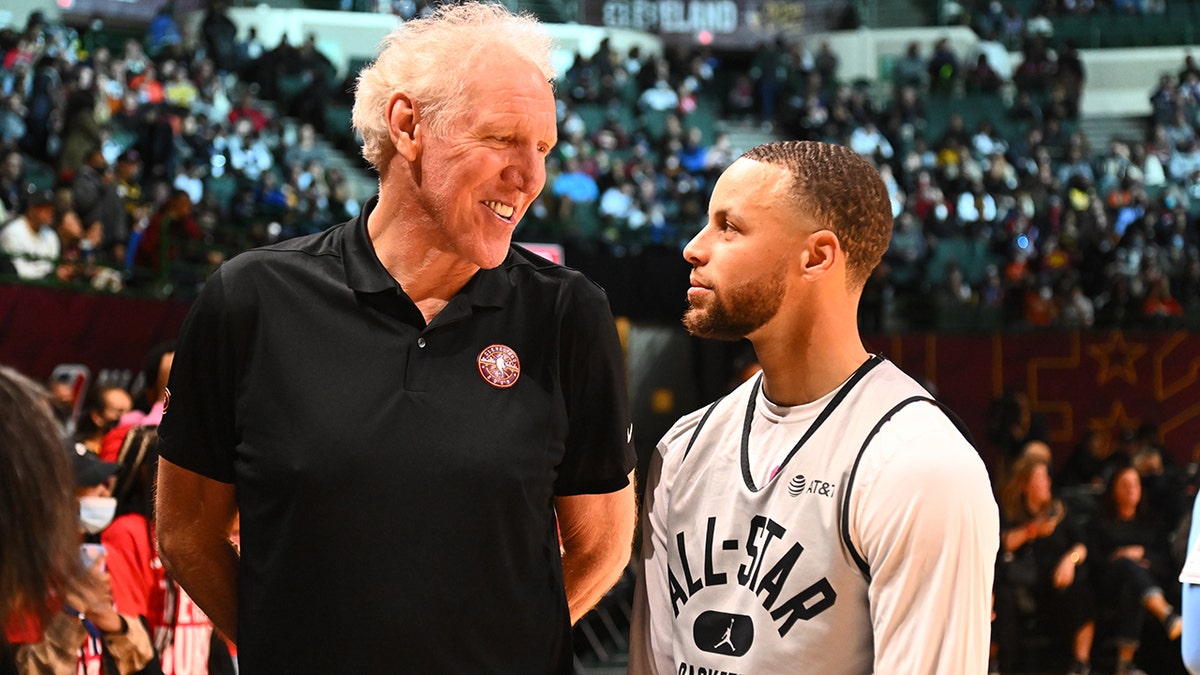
429 59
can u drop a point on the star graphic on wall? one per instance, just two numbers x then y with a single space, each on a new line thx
1116 359
1116 421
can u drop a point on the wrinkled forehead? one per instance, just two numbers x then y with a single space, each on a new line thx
515 91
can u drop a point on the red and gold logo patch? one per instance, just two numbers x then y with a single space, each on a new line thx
499 366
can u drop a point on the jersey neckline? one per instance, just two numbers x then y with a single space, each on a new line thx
858 375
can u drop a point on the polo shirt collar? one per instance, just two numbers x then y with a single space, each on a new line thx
364 272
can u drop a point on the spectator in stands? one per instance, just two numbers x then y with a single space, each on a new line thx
867 140
982 77
245 109
740 100
94 195
38 515
1160 310
907 252
1012 27
305 149
574 187
317 72
1185 162
1178 128
986 142
910 70
103 407
190 178
1135 566
170 236
180 91
247 150
1163 489
29 240
155 144
1163 98
944 69
12 118
1012 424
1078 310
147 86
44 106
83 132
989 21
140 585
826 62
164 38
89 629
218 36
1071 75
79 244
1041 562
12 182
1091 462
1037 68
768 72
660 98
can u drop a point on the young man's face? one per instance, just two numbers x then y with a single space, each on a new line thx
479 175
741 258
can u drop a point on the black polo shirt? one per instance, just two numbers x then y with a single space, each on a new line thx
396 480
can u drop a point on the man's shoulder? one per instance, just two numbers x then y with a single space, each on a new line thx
12 226
524 265
327 243
714 415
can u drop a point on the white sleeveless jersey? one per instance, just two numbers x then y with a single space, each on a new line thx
871 549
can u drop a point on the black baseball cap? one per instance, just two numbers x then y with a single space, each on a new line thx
88 468
36 196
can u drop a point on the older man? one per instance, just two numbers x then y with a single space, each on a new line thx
406 409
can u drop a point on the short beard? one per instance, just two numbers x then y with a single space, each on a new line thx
739 311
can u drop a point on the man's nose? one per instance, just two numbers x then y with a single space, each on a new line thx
527 171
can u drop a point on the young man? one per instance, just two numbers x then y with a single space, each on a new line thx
827 516
405 409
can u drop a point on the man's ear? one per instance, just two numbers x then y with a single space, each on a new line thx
404 126
821 252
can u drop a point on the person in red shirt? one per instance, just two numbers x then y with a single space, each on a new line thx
176 220
182 633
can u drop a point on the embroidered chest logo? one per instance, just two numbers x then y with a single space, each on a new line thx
799 485
499 366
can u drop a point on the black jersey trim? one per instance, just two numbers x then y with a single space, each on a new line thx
858 375
696 433
860 559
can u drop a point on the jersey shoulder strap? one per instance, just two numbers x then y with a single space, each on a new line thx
855 554
696 434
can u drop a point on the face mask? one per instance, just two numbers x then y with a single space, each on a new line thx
95 513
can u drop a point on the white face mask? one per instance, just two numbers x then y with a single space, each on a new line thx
95 513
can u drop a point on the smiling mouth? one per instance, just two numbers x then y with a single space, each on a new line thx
501 209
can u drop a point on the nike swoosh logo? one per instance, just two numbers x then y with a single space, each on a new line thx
629 433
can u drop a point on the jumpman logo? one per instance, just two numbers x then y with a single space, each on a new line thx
728 638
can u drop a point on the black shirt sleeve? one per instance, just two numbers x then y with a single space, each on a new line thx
599 449
198 430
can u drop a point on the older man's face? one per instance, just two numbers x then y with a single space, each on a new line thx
481 173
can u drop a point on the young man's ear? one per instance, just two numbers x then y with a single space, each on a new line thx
821 251
404 126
